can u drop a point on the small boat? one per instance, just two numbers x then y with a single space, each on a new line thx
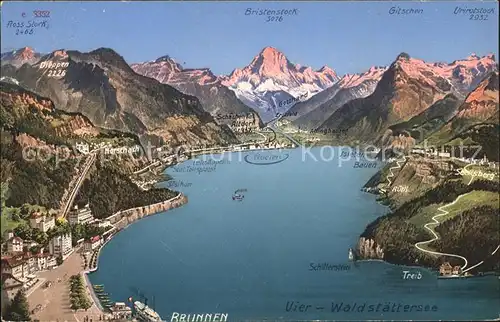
238 197
351 254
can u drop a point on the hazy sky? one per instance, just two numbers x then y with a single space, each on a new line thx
347 36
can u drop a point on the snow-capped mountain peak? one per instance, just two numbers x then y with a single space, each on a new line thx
272 64
269 63
272 73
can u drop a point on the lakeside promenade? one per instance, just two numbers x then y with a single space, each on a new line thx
123 219
55 300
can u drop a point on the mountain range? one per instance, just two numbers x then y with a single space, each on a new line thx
202 83
103 87
21 56
407 89
271 74
373 105
268 80
312 113
271 79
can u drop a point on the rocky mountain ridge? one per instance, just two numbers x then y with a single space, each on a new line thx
30 115
480 109
271 78
202 83
103 87
26 55
407 88
313 112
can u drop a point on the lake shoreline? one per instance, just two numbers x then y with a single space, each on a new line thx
130 216
393 204
184 268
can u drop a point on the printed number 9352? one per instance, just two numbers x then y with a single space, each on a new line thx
39 13
274 18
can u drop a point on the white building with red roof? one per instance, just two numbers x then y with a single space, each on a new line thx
92 243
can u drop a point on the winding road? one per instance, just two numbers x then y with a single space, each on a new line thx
492 253
391 174
147 167
436 236
398 166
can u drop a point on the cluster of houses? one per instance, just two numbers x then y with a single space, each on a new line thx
246 124
431 152
447 270
19 264
484 162
271 145
444 154
448 152
85 148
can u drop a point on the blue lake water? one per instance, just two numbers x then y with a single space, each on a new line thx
251 258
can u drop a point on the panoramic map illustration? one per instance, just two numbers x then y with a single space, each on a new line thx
250 161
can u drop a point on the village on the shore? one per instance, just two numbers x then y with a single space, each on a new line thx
47 261
43 259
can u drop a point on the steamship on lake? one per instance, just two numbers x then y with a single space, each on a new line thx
145 313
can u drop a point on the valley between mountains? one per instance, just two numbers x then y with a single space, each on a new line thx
403 107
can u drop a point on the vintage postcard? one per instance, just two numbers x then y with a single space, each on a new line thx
192 161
